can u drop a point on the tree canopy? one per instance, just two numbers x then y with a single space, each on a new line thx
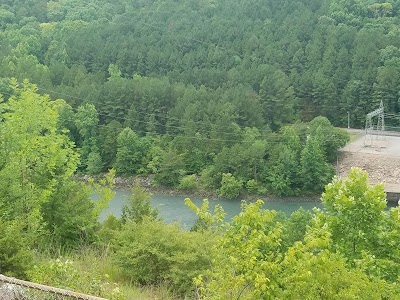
235 97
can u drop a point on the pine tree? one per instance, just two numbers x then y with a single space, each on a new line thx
315 171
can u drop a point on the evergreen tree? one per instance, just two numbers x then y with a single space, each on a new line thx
315 171
131 152
86 121
278 99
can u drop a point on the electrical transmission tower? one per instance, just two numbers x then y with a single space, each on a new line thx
369 125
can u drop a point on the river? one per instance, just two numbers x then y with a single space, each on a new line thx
173 209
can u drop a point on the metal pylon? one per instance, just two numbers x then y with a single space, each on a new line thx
369 125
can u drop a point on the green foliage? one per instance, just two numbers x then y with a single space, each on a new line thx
284 174
108 230
70 216
337 254
86 121
360 228
209 178
295 227
65 121
246 260
104 189
324 276
151 252
243 160
6 16
188 183
330 138
108 142
171 169
207 220
230 186
315 171
347 203
314 263
139 206
15 252
252 186
199 109
37 156
131 152
94 163
278 99
63 273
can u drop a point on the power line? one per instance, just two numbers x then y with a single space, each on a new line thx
236 118
187 38
113 116
159 115
140 112
270 139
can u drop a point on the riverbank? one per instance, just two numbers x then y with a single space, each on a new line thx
127 183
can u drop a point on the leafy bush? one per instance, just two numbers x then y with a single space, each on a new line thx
131 153
209 179
252 186
68 215
295 227
230 186
188 183
171 169
63 273
94 163
152 252
139 206
108 229
15 255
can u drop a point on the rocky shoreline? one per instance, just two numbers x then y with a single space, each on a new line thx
126 183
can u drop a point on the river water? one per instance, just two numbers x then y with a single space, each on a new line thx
173 209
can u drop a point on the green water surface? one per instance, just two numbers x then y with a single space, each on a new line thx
173 209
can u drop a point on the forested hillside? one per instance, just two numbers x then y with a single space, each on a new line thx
323 57
187 85
235 97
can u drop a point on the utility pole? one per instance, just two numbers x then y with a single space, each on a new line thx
337 166
348 119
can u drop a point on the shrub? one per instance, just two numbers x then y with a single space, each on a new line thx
152 252
188 183
252 186
94 163
209 179
170 169
15 255
139 206
63 273
108 229
230 186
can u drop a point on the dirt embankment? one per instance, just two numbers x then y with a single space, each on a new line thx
381 168
378 155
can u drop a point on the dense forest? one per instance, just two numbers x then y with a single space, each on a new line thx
235 97
205 88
